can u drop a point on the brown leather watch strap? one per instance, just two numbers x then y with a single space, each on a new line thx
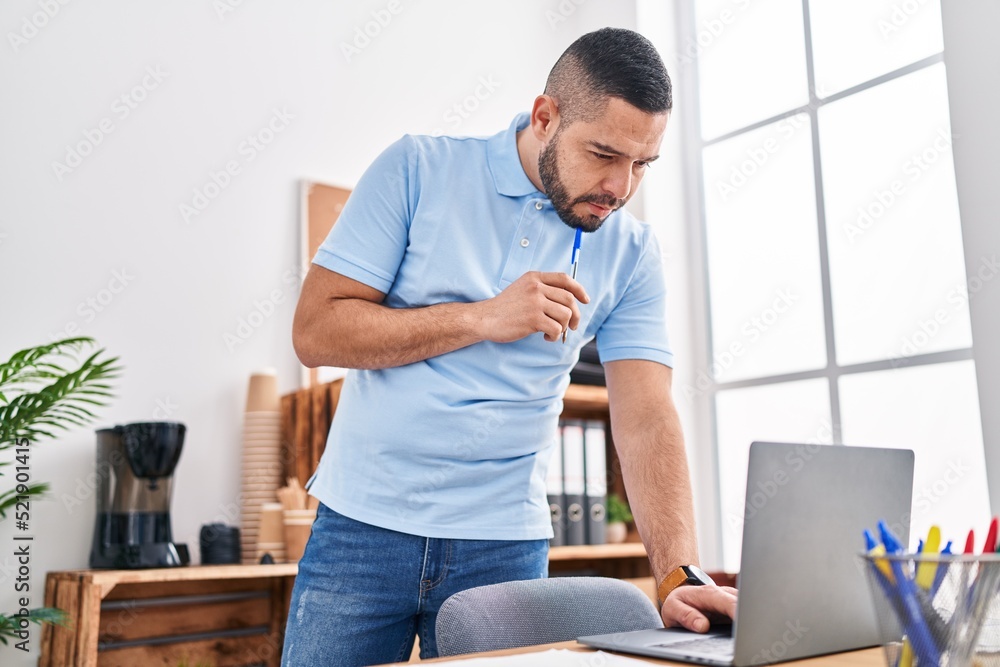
677 577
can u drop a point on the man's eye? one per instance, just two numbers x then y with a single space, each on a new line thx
602 156
642 165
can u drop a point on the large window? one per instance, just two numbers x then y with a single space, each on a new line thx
837 290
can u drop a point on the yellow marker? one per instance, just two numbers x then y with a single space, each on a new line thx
906 657
927 569
925 579
881 563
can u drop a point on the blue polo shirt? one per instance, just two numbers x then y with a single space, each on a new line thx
457 446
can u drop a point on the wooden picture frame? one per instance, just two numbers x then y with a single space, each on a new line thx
320 206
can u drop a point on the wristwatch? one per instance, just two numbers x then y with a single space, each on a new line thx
685 575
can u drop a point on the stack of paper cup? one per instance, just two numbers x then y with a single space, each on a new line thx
272 532
262 464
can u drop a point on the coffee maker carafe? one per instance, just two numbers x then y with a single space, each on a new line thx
135 467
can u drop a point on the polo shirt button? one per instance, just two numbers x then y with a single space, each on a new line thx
538 206
525 242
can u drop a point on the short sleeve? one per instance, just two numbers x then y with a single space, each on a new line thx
368 241
636 328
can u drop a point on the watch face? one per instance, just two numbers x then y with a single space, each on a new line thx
696 573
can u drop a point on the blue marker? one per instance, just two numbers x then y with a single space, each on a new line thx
941 571
575 261
883 574
920 636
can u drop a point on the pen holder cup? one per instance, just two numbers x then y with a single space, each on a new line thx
936 609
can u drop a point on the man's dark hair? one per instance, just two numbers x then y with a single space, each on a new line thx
610 62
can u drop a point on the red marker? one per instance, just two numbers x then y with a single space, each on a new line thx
970 543
991 538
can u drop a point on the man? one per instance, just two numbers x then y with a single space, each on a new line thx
444 285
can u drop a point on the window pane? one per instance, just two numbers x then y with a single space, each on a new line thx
857 40
763 253
786 412
751 61
896 258
933 410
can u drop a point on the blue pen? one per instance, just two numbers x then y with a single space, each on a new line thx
875 549
575 260
883 574
920 636
941 571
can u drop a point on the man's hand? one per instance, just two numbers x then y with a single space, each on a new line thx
695 607
536 301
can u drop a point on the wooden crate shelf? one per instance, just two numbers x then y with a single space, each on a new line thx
223 615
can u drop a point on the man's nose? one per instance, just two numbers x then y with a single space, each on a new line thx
619 182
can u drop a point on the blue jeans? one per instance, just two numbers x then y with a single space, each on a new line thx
364 592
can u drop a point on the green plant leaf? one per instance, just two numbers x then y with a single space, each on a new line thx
25 364
9 624
10 497
618 509
65 398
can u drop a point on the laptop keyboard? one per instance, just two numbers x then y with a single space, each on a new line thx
718 645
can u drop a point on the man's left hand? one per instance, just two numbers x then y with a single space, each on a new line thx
696 607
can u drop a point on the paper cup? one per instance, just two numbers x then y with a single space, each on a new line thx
262 415
270 447
261 458
272 523
298 526
261 478
260 429
262 392
261 442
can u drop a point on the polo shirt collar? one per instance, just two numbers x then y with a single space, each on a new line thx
505 163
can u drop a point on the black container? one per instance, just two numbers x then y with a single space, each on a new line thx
220 544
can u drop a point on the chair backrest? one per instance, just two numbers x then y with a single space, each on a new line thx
539 611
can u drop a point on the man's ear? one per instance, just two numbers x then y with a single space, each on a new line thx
544 118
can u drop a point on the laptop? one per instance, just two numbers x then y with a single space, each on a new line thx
802 590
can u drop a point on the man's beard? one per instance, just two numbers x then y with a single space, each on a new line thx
548 171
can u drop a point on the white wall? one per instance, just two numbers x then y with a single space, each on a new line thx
64 236
671 207
972 58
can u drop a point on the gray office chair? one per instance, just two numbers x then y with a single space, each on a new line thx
539 611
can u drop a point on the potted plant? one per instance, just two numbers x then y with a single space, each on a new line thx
619 514
43 389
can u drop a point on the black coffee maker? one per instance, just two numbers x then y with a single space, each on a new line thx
135 467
